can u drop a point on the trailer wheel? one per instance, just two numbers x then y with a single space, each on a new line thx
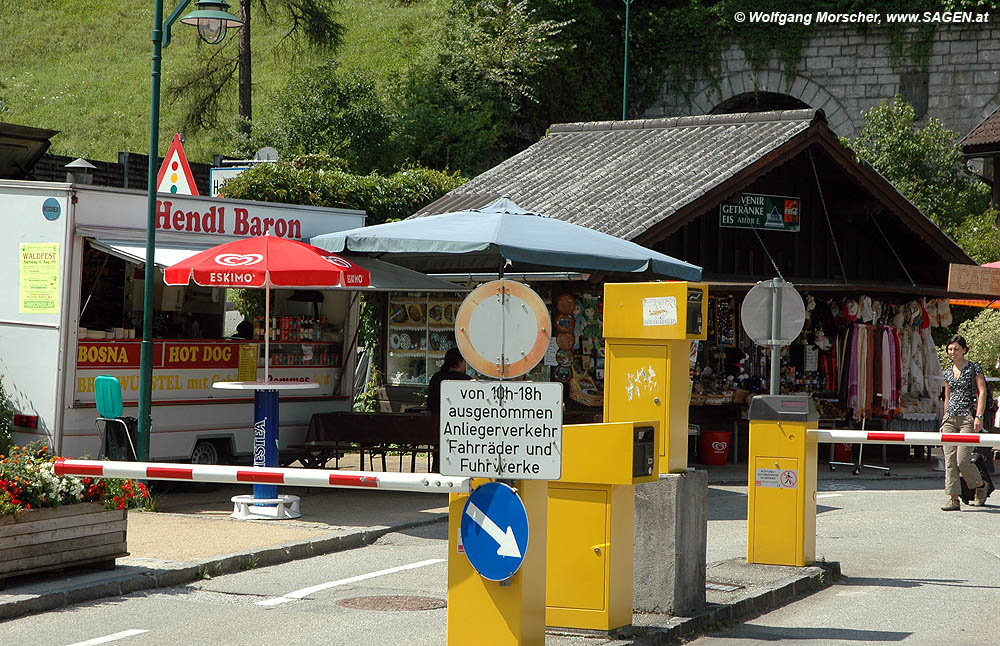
205 452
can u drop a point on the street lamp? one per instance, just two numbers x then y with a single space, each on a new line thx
212 21
628 5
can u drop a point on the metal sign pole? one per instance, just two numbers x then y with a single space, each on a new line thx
776 288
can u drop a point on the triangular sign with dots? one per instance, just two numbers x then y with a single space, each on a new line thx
175 174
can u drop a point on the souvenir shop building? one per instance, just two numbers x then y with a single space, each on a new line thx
749 197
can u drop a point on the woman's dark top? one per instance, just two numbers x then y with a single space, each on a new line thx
434 387
963 391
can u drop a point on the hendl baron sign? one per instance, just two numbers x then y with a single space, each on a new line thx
495 429
768 212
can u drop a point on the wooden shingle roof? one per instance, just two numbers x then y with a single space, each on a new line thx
984 138
641 180
621 177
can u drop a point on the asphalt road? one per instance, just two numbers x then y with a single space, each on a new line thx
297 603
914 575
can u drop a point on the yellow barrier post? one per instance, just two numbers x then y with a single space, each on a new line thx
590 523
498 613
648 329
781 496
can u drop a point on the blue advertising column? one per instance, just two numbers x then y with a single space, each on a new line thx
265 437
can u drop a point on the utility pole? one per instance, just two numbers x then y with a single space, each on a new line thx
628 5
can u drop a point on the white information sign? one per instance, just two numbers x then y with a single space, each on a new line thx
661 310
218 176
777 478
492 429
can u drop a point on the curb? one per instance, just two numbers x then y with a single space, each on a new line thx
936 475
123 584
714 617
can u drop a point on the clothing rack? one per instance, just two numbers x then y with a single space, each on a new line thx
859 465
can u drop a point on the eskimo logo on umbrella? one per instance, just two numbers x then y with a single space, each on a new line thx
340 262
238 259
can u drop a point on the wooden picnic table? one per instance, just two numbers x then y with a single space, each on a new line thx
330 435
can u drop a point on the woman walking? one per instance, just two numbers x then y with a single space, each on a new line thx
964 405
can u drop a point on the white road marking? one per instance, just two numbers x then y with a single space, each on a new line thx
828 495
304 592
110 638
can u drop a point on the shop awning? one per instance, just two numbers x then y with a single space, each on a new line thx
385 277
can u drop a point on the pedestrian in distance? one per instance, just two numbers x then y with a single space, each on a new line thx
453 368
964 406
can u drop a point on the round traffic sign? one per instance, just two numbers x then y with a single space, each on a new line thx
502 329
757 313
494 531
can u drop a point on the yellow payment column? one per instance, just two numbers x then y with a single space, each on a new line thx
588 581
781 500
648 329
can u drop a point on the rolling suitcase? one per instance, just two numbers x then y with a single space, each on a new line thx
970 494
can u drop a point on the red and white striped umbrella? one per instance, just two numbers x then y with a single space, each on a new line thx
267 261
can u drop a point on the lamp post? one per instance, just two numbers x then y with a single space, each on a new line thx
628 5
212 21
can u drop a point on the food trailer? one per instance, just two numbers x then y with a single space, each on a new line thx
75 260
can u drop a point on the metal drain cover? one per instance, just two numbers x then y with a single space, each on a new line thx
396 602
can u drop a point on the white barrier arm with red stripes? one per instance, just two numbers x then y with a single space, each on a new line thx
900 437
294 477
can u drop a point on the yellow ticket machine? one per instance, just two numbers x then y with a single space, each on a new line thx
781 496
648 329
589 560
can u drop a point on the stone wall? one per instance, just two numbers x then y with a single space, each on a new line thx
846 72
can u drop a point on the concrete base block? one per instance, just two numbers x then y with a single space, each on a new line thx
671 530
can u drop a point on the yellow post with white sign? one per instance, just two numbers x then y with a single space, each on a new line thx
500 430
498 613
648 329
781 497
590 523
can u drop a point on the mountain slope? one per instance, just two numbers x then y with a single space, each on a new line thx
83 67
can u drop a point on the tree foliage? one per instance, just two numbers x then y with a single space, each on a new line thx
201 87
927 166
326 111
465 109
320 180
983 336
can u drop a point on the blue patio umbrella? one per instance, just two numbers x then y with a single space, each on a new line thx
489 237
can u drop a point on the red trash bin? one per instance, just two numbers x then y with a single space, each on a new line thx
842 452
714 447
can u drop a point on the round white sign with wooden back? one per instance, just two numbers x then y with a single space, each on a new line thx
502 329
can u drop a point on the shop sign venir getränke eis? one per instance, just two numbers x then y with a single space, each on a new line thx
238 221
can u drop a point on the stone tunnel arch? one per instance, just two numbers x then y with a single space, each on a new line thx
758 102
738 93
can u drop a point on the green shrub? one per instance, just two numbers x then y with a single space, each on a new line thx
6 420
982 333
320 180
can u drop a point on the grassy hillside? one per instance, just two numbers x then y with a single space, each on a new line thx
83 67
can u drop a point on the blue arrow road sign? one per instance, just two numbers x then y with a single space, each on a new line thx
494 531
